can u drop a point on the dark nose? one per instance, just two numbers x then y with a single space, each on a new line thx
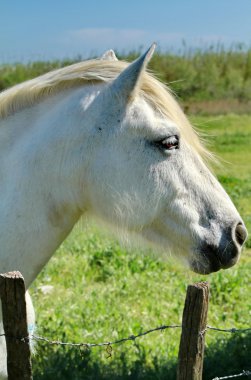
240 234
224 255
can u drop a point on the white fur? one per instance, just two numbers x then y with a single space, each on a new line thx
92 150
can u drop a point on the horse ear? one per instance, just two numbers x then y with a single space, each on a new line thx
126 83
109 55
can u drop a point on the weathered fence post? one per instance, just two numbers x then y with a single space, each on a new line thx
194 322
12 292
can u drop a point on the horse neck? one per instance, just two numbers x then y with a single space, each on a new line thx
40 187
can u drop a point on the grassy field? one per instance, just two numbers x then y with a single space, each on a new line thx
103 292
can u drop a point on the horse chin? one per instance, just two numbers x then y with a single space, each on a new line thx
203 268
211 266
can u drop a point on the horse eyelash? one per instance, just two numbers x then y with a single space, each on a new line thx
174 145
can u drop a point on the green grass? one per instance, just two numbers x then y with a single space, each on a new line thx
103 292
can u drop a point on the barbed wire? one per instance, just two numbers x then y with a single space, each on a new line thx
133 337
243 373
109 350
90 345
109 344
231 330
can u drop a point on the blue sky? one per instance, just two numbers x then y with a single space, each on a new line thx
48 29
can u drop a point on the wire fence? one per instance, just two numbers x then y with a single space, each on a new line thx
192 341
232 330
243 373
109 344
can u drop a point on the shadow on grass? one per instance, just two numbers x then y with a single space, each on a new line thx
70 364
226 357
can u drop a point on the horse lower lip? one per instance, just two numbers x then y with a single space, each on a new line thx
200 270
215 266
212 266
211 258
230 263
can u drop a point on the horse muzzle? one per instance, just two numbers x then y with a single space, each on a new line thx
211 257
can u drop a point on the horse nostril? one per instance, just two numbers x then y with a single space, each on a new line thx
240 233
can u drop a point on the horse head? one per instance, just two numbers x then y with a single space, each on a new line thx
148 175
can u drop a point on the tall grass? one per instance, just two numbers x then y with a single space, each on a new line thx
213 73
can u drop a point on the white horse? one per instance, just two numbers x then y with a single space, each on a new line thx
107 139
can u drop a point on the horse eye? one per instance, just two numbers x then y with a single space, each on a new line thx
169 143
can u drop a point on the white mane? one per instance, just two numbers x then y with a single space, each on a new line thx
94 71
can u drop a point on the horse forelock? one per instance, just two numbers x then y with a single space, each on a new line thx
158 95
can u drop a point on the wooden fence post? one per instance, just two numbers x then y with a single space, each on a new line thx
12 292
194 322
